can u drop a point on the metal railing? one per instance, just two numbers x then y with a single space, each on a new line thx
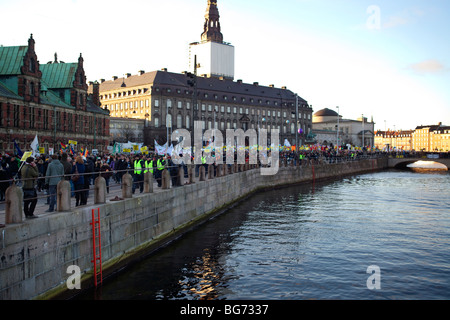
114 182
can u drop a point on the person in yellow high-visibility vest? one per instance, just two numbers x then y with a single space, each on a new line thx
160 164
149 165
138 176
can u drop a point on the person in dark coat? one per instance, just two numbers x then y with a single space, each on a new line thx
5 178
80 194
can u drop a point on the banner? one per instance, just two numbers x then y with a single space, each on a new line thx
26 155
161 150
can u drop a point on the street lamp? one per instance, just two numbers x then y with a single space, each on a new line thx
337 133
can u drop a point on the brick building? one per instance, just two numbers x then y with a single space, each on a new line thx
48 100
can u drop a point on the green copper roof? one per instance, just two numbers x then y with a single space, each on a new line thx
59 75
11 59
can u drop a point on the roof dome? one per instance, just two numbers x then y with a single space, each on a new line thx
326 113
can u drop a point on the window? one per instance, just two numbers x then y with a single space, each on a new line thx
188 105
234 110
156 122
228 109
179 121
180 105
203 107
16 116
209 108
222 109
156 103
188 122
169 103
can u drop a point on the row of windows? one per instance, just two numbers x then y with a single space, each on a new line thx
32 117
222 125
234 110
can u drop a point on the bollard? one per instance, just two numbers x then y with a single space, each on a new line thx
63 192
210 171
148 182
191 174
180 179
202 173
165 179
14 204
99 190
127 186
219 170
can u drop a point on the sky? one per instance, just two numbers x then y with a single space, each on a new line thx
386 60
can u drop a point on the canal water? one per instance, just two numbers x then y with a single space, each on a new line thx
310 242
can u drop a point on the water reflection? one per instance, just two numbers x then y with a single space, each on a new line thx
305 243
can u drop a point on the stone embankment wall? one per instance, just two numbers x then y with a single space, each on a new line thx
35 254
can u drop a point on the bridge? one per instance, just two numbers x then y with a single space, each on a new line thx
404 162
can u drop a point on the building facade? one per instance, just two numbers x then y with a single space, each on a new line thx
394 140
48 100
358 132
168 101
432 138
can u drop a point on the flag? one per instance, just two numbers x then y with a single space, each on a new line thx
63 147
35 146
19 152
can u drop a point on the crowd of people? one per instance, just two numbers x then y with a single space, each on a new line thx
43 173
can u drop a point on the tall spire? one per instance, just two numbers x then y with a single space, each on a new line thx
211 30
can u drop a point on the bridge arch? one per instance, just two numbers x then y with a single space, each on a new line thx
402 163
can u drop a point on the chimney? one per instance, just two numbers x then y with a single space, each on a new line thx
256 84
271 85
141 72
102 80
239 81
114 77
128 75
96 93
164 69
284 88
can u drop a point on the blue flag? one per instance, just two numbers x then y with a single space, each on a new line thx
19 152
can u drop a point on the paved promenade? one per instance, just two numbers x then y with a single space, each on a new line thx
114 191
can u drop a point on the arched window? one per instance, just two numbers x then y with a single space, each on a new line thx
156 122
188 122
179 121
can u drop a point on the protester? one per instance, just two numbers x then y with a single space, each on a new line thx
53 175
78 170
4 182
106 172
138 174
29 174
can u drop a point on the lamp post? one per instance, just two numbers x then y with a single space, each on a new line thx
337 133
296 122
363 140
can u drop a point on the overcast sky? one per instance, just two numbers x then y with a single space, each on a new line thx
386 59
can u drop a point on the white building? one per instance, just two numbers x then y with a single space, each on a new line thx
352 132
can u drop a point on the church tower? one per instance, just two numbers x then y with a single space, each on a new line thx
215 58
211 30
